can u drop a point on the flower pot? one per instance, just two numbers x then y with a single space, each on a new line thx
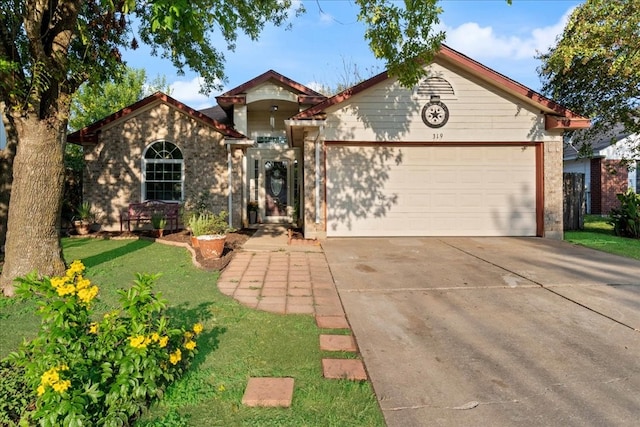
253 217
194 242
82 227
212 246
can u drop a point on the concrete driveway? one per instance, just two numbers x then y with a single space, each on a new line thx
493 331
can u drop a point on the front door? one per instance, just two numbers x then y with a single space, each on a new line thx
276 182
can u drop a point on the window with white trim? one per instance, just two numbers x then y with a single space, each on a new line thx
162 172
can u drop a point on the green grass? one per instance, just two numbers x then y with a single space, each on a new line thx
237 343
598 234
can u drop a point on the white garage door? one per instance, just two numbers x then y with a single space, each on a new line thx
431 191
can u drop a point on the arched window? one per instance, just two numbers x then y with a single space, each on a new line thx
162 172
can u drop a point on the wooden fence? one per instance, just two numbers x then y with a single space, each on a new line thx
574 201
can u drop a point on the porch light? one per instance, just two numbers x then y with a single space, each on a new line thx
272 120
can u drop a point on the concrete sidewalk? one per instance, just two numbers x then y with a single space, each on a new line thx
274 237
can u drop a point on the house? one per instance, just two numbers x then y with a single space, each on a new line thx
605 172
466 152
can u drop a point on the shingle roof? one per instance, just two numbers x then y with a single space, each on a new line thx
89 133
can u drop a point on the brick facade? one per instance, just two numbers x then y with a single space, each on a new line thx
608 178
313 229
113 171
553 194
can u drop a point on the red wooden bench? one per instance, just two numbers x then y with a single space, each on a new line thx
143 211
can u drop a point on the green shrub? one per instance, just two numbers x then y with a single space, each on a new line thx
626 220
209 224
158 221
88 371
16 397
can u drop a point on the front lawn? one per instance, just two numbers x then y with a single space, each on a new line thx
598 234
237 343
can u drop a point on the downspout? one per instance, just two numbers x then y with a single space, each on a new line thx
229 170
317 189
245 197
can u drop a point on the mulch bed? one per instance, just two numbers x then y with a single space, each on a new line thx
232 244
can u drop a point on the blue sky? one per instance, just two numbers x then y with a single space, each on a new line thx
501 36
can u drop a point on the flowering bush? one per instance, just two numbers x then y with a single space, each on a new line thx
88 371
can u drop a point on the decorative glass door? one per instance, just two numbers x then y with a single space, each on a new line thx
276 174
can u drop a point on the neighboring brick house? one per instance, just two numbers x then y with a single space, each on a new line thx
606 175
465 152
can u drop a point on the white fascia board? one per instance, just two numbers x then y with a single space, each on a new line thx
232 141
304 123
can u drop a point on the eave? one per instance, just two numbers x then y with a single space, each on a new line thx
557 117
89 134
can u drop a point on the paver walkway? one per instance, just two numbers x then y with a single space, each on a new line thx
282 282
273 275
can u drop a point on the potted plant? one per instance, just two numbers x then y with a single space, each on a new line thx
210 231
158 222
252 208
84 219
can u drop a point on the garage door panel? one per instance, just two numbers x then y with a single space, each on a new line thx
479 191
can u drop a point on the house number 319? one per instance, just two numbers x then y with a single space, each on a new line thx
438 136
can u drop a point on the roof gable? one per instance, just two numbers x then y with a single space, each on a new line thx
236 95
614 143
271 75
556 116
90 133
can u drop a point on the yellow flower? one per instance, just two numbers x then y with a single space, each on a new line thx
155 337
190 345
66 289
87 294
162 342
75 267
82 283
221 388
61 386
41 390
93 328
175 357
138 341
188 335
197 328
50 377
57 282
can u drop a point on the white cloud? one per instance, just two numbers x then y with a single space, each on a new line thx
188 92
317 86
484 43
326 18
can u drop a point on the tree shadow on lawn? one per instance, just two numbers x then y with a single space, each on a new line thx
102 257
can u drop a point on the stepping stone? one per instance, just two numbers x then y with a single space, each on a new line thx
268 392
332 322
337 343
351 369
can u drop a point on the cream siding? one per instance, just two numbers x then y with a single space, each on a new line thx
479 113
258 124
271 92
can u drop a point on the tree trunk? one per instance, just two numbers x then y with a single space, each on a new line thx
33 228
6 176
